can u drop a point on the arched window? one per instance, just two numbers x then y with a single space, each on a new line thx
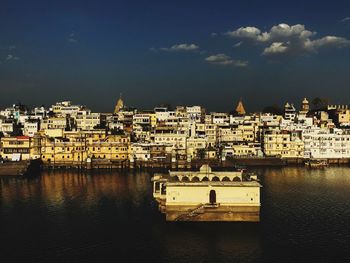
236 179
185 179
195 179
215 179
176 178
225 179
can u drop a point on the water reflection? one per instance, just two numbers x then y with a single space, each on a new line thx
68 216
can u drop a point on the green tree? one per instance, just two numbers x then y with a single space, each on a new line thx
201 154
319 103
273 109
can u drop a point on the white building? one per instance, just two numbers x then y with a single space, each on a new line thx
289 111
326 144
31 127
194 113
6 126
140 152
66 108
87 121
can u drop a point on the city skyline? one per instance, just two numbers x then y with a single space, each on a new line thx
184 53
316 103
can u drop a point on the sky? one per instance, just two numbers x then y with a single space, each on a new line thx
209 53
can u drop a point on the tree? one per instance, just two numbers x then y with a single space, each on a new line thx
102 125
319 103
116 131
166 105
201 154
273 109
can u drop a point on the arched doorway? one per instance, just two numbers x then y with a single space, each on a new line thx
212 197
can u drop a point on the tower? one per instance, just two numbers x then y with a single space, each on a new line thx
119 105
240 108
305 105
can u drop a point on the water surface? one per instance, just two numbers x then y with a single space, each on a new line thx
68 217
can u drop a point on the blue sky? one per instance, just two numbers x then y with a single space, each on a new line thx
178 52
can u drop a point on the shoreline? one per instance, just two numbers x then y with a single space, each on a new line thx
181 165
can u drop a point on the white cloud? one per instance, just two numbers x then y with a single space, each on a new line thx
275 48
328 41
346 19
284 31
222 59
181 47
11 57
286 39
238 44
276 33
248 32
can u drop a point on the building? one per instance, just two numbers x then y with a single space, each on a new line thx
65 108
78 147
54 123
284 144
85 120
15 148
326 144
208 196
289 111
241 150
31 127
6 126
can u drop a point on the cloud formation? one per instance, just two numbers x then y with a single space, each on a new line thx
72 38
222 59
238 44
346 19
181 47
10 57
286 39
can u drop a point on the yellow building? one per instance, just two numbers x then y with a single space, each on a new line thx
343 117
79 147
283 144
15 148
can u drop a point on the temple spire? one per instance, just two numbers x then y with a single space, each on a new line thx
240 108
119 105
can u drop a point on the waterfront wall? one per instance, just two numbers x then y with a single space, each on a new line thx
214 213
182 164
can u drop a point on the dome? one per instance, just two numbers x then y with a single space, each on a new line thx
305 101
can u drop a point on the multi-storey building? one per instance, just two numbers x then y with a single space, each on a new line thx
87 121
78 147
15 148
31 127
284 144
328 144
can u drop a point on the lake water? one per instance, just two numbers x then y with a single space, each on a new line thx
70 217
